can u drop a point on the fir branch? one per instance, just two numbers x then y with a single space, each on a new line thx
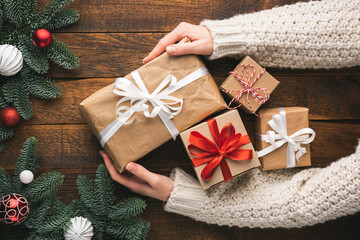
45 184
59 53
14 12
131 229
2 147
39 211
46 236
63 18
15 92
42 87
87 194
5 183
127 208
104 188
3 103
49 12
56 222
28 157
38 85
30 8
5 133
34 57
16 233
1 17
26 161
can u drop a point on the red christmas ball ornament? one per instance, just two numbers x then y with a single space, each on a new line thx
14 209
42 38
9 117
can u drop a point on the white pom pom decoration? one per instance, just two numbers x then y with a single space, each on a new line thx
80 229
11 60
26 176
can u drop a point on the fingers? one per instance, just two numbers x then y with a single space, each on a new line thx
120 178
171 38
141 172
185 48
110 167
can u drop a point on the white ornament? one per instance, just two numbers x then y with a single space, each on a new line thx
80 229
11 60
26 176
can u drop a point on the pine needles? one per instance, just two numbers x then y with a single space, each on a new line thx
115 222
49 217
18 20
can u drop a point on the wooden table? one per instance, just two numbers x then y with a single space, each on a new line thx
111 39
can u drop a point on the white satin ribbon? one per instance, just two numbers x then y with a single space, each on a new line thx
278 123
164 105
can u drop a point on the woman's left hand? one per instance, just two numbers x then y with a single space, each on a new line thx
139 180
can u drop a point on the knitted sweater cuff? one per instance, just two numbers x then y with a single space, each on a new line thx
187 197
225 41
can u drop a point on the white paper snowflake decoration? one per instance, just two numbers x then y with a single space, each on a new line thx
80 229
11 60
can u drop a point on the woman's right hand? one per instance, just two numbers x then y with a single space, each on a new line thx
199 35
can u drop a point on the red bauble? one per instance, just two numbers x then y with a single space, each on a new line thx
42 38
14 209
9 117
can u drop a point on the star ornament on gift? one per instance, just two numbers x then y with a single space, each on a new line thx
213 154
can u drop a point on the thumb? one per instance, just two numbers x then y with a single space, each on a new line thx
140 172
181 49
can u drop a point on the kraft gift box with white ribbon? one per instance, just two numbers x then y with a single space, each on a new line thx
283 137
146 108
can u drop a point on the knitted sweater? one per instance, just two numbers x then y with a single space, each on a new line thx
322 34
281 198
317 34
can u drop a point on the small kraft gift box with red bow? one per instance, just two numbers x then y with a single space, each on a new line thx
249 86
220 149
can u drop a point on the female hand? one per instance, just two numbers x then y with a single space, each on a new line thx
140 180
200 36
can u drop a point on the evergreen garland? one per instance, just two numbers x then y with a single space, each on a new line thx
49 217
18 21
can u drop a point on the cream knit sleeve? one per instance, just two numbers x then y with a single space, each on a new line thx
281 198
316 34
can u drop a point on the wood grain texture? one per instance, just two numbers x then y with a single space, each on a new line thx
111 39
117 54
157 15
322 95
71 146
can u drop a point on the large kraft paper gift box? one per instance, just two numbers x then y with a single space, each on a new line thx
283 137
132 141
235 152
252 77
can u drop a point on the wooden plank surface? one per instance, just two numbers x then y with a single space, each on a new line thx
71 146
117 54
157 15
321 94
111 39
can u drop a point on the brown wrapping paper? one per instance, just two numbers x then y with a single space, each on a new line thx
296 118
201 98
265 81
237 168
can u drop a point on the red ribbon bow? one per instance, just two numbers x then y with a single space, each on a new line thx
226 146
244 80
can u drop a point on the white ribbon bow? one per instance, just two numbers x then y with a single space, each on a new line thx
278 123
164 105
